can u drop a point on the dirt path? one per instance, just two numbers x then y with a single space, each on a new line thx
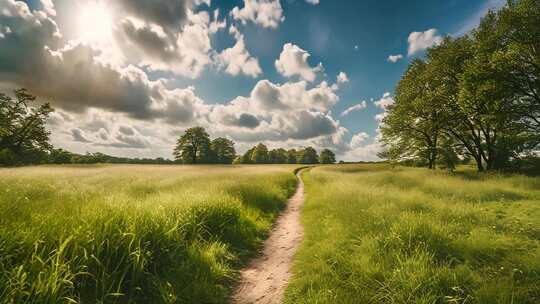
264 280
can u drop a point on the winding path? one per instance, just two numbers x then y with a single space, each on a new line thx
265 278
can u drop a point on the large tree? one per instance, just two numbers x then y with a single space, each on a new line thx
24 138
518 26
259 154
193 146
412 128
308 156
327 157
292 156
223 151
277 156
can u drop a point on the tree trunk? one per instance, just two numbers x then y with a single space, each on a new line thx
479 164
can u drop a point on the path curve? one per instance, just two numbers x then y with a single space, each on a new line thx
264 280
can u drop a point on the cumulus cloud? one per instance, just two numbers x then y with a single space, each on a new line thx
354 108
293 61
73 79
237 60
185 52
48 7
358 140
419 41
386 101
342 78
395 58
79 136
116 108
266 13
272 112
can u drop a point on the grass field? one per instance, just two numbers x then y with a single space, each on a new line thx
126 234
380 235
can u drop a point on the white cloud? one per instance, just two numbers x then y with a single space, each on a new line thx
267 13
358 140
342 78
386 101
367 152
419 41
48 7
237 59
395 58
115 107
354 108
356 47
314 2
294 61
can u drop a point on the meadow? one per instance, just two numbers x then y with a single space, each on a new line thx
376 234
133 234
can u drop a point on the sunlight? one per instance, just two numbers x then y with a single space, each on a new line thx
95 23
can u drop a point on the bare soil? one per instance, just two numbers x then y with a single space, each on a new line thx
265 278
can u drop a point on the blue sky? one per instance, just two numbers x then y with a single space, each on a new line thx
145 72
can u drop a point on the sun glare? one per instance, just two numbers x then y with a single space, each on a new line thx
95 23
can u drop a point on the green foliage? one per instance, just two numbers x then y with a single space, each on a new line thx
277 156
133 234
193 146
59 156
478 94
259 155
327 157
24 138
292 156
377 234
307 156
222 150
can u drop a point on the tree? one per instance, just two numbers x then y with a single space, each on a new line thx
24 138
277 156
412 127
518 25
259 154
292 156
59 156
223 151
327 157
308 156
193 146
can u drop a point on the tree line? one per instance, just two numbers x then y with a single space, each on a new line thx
475 97
196 147
25 140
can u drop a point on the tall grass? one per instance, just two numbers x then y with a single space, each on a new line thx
132 234
374 234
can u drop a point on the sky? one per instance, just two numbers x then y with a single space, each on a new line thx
127 77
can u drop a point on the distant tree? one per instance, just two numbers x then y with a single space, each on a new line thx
277 156
260 154
238 160
24 138
223 151
246 157
308 156
193 147
59 156
327 157
292 156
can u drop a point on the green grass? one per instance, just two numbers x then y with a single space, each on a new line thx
374 234
133 234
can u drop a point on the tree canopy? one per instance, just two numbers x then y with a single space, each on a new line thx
195 147
24 138
473 97
327 157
